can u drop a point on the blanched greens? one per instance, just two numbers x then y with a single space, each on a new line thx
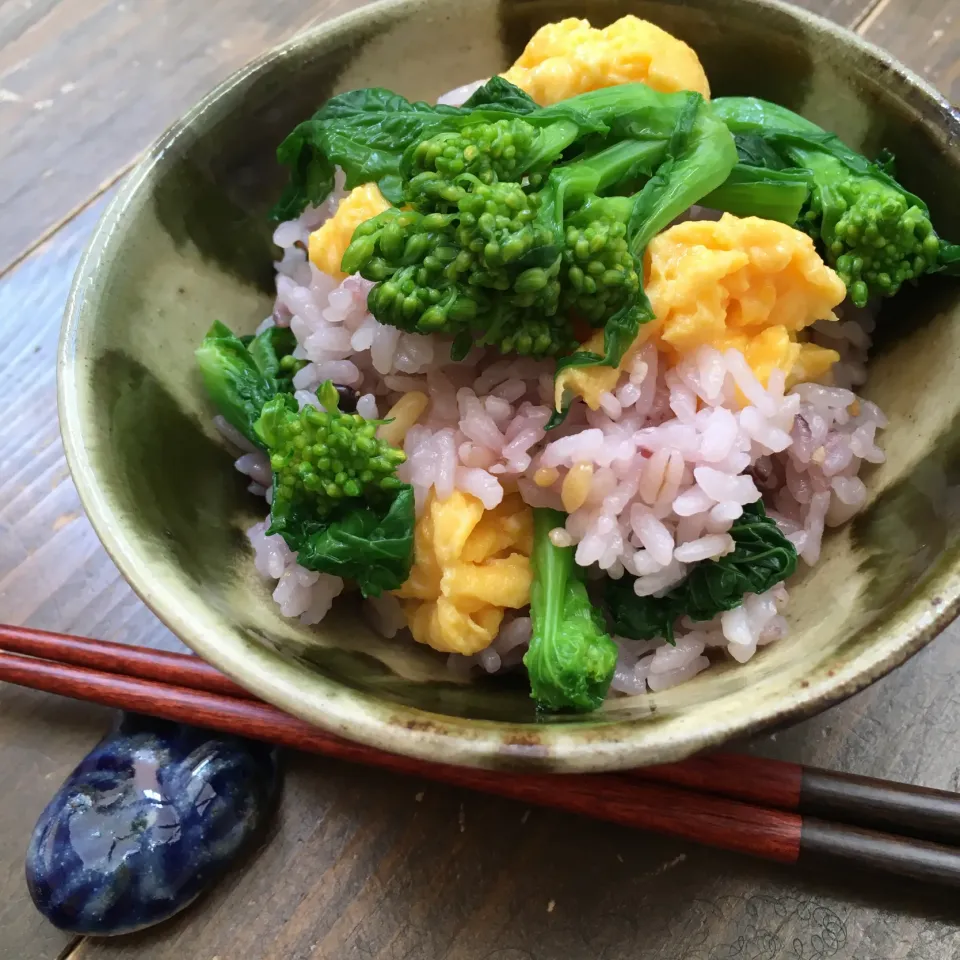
367 541
752 191
242 374
571 658
762 558
367 132
507 233
337 501
272 352
874 232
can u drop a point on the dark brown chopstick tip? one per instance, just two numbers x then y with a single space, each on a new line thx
870 850
881 805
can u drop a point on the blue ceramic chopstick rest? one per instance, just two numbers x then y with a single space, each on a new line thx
145 823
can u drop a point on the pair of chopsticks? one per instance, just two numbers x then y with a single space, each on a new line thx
767 808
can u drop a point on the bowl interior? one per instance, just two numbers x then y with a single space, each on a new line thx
188 242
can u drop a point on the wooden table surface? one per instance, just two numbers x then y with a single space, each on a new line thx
362 864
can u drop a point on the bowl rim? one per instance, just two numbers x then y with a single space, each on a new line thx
408 730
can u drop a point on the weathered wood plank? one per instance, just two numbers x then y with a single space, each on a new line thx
925 35
365 865
53 573
88 84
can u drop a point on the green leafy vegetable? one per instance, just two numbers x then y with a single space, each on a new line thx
506 241
337 501
367 544
571 658
762 558
754 151
443 170
489 272
950 258
497 92
325 456
875 233
243 374
699 157
363 131
271 352
368 131
772 194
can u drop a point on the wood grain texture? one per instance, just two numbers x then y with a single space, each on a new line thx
628 801
753 779
835 845
881 805
182 688
86 85
365 864
53 572
925 35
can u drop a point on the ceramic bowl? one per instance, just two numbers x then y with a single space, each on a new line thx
187 241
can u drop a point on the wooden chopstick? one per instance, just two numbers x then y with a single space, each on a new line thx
919 812
729 824
182 670
635 799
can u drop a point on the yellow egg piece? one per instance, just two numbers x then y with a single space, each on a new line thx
570 57
446 628
470 565
453 521
509 525
425 573
501 582
771 349
328 242
588 383
591 383
706 279
744 283
813 363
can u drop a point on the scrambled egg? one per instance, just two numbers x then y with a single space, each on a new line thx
470 564
571 57
328 243
748 283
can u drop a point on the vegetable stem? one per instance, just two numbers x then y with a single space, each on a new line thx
571 658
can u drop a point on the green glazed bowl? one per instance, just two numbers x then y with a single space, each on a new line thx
187 241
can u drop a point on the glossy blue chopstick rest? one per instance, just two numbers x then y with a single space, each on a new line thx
146 822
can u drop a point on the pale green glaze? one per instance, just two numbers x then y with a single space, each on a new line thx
186 242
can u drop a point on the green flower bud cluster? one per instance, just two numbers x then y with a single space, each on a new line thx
485 152
531 335
879 242
328 457
437 272
497 223
601 273
400 238
419 300
871 233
